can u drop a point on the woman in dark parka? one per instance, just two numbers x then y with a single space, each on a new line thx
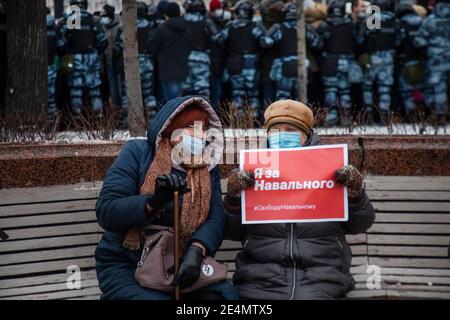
295 260
123 208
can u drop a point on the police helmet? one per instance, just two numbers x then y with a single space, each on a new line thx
82 4
244 9
404 9
384 5
336 8
195 6
142 9
290 11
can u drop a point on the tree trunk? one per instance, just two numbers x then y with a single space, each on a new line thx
27 58
136 118
301 50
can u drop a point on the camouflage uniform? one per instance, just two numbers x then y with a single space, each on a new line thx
242 63
381 44
410 58
197 81
338 66
434 34
284 67
86 60
51 69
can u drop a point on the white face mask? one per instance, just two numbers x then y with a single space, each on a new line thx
105 21
257 19
222 14
361 14
193 145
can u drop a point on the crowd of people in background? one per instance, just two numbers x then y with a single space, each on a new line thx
246 54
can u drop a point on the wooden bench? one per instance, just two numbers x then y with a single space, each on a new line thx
52 228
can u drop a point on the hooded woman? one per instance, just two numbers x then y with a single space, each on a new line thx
130 199
289 260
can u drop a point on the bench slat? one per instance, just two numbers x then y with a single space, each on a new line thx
45 255
366 294
42 208
413 217
409 195
59 287
14 222
407 240
410 263
58 294
410 228
48 266
402 183
399 251
41 280
414 272
47 243
400 279
62 230
417 294
410 206
88 190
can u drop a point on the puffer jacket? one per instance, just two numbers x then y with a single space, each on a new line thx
120 208
295 260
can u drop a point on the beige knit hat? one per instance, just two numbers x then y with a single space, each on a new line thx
289 111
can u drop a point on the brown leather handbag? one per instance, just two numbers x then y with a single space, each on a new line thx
155 269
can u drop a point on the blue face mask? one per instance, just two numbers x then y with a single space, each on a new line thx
285 139
192 145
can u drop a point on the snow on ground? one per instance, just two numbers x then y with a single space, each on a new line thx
95 137
399 129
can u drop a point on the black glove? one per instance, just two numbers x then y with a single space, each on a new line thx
164 189
190 268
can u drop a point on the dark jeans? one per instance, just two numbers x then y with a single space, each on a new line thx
171 89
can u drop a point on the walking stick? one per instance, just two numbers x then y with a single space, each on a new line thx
176 239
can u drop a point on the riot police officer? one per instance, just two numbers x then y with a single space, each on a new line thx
338 67
434 36
244 38
84 43
284 69
202 28
380 44
410 59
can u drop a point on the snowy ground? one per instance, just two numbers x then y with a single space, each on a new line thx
95 137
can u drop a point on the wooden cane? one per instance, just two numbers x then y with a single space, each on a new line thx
176 238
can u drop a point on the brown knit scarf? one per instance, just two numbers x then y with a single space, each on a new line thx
195 204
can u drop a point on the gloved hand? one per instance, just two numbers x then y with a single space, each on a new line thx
165 186
239 180
350 176
189 271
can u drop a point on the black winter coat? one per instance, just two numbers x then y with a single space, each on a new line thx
296 260
171 45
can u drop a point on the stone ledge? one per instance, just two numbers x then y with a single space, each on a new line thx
28 165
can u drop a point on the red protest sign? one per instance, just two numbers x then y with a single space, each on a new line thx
294 185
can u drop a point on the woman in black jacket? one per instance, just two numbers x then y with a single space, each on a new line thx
295 261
